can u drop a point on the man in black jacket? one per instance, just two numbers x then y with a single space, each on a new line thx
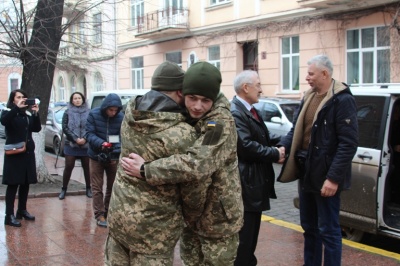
256 155
321 146
103 128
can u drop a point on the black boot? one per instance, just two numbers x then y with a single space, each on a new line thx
89 192
11 220
62 194
26 215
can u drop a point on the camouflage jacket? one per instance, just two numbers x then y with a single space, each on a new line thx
148 219
212 159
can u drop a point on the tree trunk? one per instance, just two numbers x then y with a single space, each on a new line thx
43 174
39 61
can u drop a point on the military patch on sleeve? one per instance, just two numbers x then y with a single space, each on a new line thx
213 133
211 124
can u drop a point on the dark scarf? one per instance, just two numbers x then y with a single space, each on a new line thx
77 117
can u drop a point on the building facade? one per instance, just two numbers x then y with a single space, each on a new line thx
10 68
274 37
86 60
87 55
10 77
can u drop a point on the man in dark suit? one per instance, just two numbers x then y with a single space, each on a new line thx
256 154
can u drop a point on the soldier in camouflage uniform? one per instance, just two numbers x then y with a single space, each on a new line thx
145 221
211 239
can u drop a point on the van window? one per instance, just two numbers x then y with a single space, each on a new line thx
371 120
98 100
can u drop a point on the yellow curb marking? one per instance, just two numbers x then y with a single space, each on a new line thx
346 242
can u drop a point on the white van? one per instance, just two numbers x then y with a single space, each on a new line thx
372 204
97 97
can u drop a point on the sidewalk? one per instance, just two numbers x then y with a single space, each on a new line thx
65 233
76 185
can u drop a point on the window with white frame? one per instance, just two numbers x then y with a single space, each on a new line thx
61 90
216 2
14 81
175 57
73 84
290 63
192 58
98 82
81 32
14 84
214 56
97 28
173 6
72 32
137 12
368 55
64 37
137 72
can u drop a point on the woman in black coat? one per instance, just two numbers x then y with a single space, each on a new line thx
19 170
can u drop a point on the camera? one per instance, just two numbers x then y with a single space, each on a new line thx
106 154
104 157
30 101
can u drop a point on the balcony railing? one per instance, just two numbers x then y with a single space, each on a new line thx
177 18
72 51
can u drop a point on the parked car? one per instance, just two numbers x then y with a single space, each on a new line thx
372 204
56 104
277 113
2 129
125 95
54 138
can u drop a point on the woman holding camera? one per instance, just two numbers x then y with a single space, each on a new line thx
19 170
75 147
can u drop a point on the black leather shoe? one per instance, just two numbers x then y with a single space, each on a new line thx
62 194
89 192
11 220
26 215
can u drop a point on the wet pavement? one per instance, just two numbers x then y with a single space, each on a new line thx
65 233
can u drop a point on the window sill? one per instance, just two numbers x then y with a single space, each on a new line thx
291 93
218 6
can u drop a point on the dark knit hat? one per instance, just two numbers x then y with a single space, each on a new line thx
204 79
168 76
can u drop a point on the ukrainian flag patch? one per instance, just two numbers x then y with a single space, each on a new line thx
211 124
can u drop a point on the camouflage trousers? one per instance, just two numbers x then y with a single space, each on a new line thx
200 251
116 254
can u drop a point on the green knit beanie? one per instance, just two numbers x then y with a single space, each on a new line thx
168 76
204 79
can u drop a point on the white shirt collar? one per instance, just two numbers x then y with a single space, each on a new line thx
246 104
